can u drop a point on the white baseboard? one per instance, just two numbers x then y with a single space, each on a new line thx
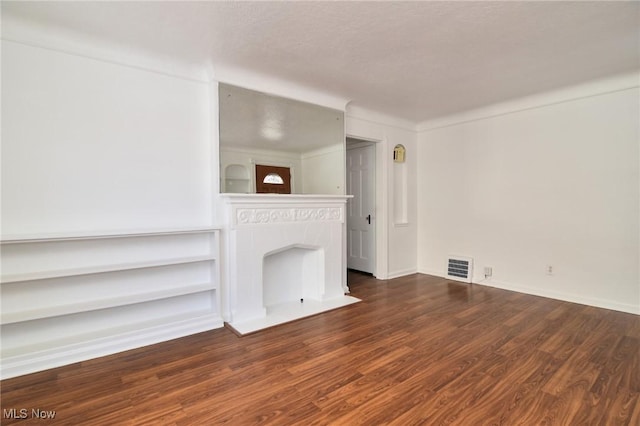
401 273
431 272
567 297
81 351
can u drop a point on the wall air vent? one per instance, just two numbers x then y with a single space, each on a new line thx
460 268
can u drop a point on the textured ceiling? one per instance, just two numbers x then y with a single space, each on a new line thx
414 60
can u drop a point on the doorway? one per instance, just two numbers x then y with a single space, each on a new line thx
361 239
273 179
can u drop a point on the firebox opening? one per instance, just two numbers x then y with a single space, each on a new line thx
291 274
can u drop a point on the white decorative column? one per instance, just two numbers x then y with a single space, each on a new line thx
256 226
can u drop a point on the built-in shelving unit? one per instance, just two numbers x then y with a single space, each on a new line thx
67 298
236 179
42 275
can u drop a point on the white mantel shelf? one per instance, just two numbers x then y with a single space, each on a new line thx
278 209
284 198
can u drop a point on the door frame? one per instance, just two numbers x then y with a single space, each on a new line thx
380 209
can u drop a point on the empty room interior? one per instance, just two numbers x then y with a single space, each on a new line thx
320 212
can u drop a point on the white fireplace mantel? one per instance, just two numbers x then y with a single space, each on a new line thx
284 199
253 209
284 257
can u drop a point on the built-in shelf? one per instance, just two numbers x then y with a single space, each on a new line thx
72 296
41 275
80 235
156 330
9 316
237 185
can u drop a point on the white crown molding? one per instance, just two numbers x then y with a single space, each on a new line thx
64 40
359 113
242 77
260 152
593 88
322 151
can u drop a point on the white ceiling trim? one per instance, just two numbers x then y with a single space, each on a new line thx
70 42
375 117
277 87
592 88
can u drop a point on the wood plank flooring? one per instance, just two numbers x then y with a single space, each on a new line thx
416 350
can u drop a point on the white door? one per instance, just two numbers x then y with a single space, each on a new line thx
361 239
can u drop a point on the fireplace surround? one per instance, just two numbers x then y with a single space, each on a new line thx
284 258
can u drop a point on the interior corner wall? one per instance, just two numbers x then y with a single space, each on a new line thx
93 145
551 186
396 247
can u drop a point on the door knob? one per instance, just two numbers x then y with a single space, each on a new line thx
369 219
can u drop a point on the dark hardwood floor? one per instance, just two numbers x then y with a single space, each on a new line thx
416 350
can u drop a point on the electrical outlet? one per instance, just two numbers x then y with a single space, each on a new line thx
549 269
488 271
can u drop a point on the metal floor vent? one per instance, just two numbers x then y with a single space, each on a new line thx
460 268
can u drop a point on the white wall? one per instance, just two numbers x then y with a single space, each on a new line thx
547 181
396 242
92 145
323 171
